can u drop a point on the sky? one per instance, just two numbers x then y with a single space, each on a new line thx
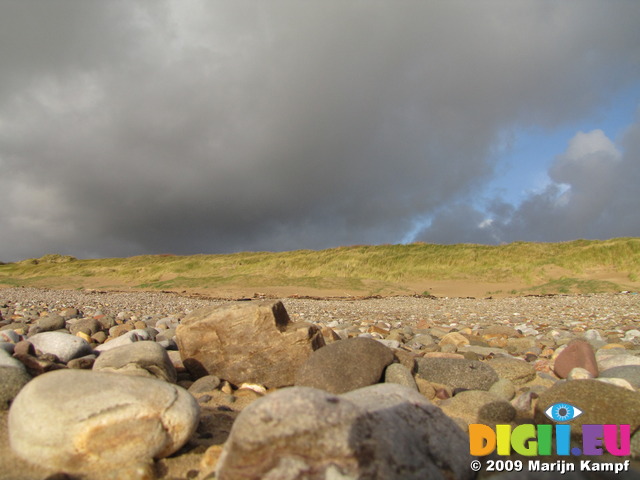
147 126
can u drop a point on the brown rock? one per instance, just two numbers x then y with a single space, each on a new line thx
578 353
514 369
345 365
86 325
118 330
24 347
454 338
425 388
37 365
251 342
407 359
330 335
499 331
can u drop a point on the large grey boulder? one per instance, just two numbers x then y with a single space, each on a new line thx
82 421
378 432
253 342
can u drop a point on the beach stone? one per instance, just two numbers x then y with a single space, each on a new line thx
168 334
457 372
381 431
503 388
90 326
611 350
579 373
611 361
117 330
499 331
630 335
408 359
426 388
205 384
620 382
99 337
420 341
13 376
252 342
7 347
514 369
520 345
99 421
50 323
144 359
482 351
10 336
127 338
6 360
393 344
63 345
176 361
577 353
596 400
630 373
454 338
525 402
12 379
85 363
594 337
477 406
345 365
167 323
398 373
107 321
69 312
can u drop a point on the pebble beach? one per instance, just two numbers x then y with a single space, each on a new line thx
453 356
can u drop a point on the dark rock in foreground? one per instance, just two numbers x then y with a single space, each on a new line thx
379 432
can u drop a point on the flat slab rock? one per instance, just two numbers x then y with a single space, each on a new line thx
80 421
253 342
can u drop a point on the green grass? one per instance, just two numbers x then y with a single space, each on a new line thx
361 268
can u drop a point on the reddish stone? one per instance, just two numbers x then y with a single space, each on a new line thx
24 347
578 353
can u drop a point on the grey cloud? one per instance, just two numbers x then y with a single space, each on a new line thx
194 127
593 194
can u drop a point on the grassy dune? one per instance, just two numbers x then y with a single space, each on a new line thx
580 266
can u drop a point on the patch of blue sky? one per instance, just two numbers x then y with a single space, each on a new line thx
525 155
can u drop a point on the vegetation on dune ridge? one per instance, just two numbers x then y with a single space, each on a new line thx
543 267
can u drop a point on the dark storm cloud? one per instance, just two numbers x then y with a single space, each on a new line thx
186 127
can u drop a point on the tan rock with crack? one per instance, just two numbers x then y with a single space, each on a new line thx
83 421
252 342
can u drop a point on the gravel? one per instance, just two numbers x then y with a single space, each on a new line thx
602 311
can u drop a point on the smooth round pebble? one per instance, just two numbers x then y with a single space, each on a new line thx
144 359
63 345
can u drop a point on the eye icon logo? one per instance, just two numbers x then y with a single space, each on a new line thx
562 412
